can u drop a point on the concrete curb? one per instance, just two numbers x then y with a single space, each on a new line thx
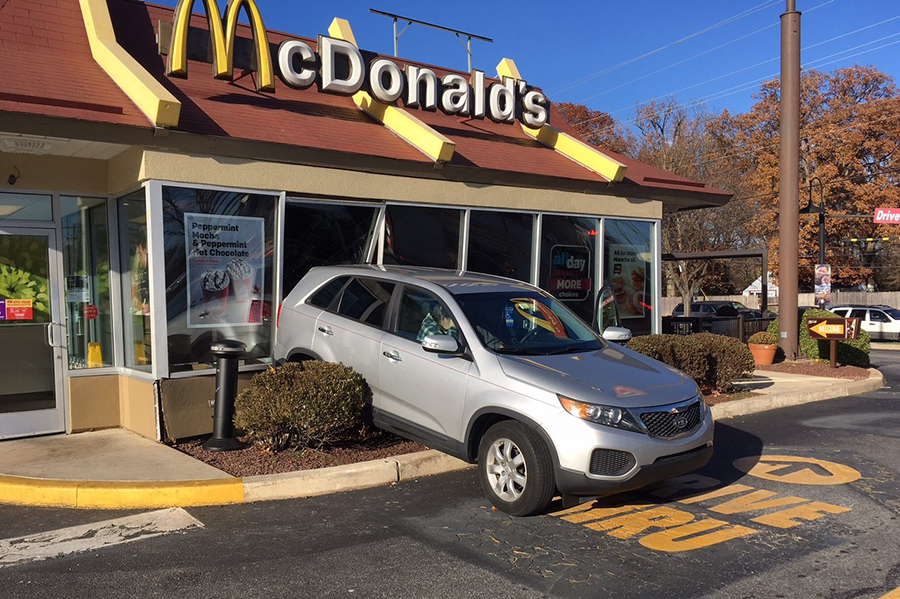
754 405
20 490
310 483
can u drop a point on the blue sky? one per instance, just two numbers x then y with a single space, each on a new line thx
614 54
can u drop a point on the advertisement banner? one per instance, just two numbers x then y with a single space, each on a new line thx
629 280
823 285
570 272
2 309
225 258
19 309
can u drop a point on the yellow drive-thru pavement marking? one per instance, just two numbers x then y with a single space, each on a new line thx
895 594
778 468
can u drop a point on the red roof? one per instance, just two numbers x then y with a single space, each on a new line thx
48 70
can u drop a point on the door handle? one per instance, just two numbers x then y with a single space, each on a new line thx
392 356
326 330
49 334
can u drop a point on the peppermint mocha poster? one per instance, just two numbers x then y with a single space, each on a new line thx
224 269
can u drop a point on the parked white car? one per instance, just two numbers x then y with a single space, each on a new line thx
499 372
880 322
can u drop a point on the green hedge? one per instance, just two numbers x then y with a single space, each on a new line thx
852 353
713 361
306 404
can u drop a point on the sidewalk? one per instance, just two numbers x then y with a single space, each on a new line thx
119 469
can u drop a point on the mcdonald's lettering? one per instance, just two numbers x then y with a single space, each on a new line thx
338 66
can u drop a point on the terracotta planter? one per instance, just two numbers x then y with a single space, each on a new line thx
762 354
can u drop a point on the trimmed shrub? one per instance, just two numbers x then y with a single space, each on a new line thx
713 361
852 353
729 359
306 404
762 338
684 353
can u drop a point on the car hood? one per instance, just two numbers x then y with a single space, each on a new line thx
613 375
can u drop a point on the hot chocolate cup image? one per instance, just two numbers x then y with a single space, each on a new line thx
214 283
241 274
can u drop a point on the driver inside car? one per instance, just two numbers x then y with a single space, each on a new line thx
437 322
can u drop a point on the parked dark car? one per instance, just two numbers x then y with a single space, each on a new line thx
717 308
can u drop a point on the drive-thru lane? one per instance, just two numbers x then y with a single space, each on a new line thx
798 502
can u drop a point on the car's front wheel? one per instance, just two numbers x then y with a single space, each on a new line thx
515 469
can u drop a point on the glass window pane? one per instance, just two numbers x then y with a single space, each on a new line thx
858 314
500 243
135 266
628 251
319 234
366 300
422 236
86 264
423 314
219 251
567 262
26 206
324 296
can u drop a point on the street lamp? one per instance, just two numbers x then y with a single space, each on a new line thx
820 210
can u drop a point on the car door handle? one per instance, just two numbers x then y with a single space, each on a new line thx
326 330
392 356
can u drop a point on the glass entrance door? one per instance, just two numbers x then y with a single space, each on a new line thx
32 342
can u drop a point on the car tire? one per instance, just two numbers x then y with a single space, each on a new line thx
515 469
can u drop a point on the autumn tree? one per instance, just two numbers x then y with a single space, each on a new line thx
680 140
849 136
595 127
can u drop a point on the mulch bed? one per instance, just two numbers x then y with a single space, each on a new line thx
252 461
812 368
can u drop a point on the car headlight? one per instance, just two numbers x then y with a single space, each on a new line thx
605 415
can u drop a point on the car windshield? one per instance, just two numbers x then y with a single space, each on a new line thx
526 323
893 313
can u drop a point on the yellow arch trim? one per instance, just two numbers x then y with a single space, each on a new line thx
416 133
573 149
266 76
148 94
176 65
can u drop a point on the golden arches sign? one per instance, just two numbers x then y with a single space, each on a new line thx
222 36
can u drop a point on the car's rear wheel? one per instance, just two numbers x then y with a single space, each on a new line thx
515 469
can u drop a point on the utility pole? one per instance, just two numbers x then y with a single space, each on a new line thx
789 183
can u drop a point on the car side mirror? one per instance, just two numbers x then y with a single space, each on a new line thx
617 334
440 344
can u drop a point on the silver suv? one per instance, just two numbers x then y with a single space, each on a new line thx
498 372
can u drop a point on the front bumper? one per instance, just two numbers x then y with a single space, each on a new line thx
573 442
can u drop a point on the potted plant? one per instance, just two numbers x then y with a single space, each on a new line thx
763 346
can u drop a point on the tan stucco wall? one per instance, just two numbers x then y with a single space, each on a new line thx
93 402
125 171
137 406
188 405
54 173
299 179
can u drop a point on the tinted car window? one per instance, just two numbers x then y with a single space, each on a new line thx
422 314
324 296
365 300
858 314
841 312
878 316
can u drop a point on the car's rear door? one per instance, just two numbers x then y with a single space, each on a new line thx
863 319
880 324
351 330
423 393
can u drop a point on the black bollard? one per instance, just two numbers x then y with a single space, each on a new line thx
227 354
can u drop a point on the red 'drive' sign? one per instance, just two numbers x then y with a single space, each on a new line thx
887 215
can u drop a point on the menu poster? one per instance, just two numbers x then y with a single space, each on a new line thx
570 272
629 280
225 268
